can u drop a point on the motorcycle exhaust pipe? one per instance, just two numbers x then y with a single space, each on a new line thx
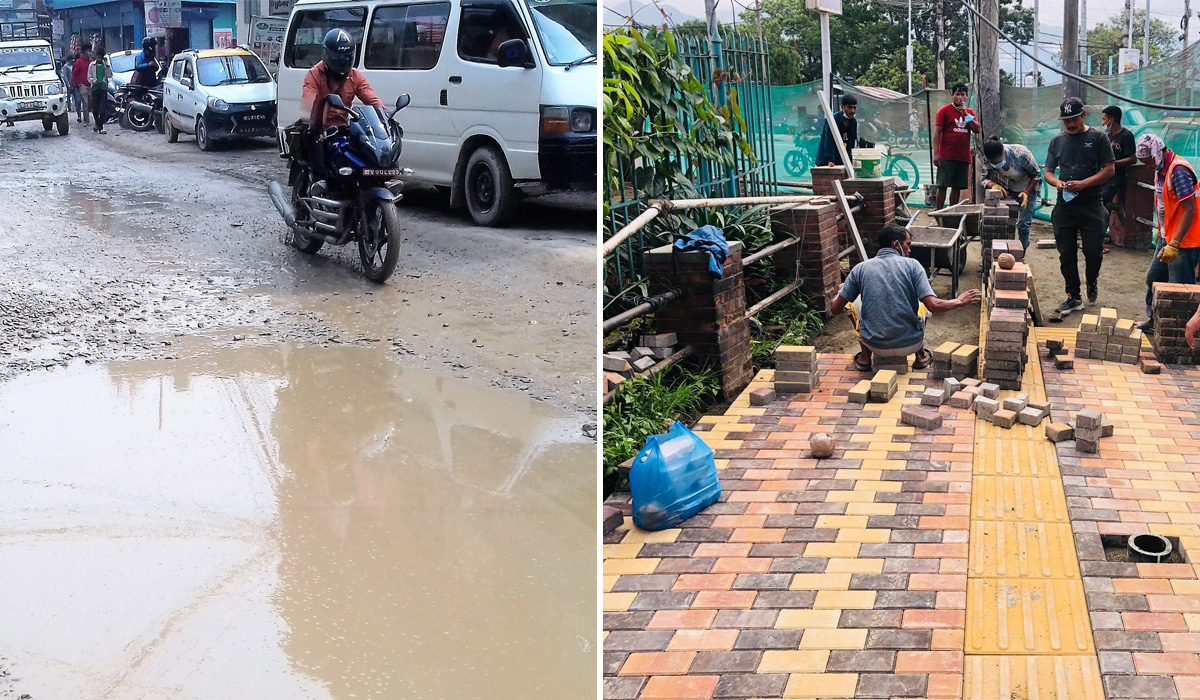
282 203
139 107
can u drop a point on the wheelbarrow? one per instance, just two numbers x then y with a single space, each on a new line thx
952 215
940 249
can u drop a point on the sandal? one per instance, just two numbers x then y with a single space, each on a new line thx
859 365
1146 327
918 363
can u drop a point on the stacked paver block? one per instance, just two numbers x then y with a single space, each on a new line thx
884 385
998 247
1089 428
1106 337
897 364
814 260
1004 350
711 318
1173 305
796 369
998 225
954 360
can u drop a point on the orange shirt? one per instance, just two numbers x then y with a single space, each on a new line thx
317 88
1173 208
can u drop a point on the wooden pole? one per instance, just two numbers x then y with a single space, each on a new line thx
1070 49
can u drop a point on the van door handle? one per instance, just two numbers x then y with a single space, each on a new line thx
456 79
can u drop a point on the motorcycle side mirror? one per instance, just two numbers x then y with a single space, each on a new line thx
335 101
402 101
513 53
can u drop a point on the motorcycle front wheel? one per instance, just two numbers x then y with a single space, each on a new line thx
379 240
309 245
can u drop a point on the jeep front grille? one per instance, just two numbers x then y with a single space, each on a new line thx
36 90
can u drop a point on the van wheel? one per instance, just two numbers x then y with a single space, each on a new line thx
172 132
488 185
202 139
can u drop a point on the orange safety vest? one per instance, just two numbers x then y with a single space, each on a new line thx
1173 210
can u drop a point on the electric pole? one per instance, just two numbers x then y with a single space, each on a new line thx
1083 30
1187 11
989 69
908 51
1070 49
941 44
1146 38
1037 49
1128 38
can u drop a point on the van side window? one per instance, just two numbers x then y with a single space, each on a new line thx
485 24
406 37
177 70
307 33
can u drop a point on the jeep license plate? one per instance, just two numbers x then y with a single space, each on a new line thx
31 106
381 172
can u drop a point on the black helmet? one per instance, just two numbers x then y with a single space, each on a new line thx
338 52
148 44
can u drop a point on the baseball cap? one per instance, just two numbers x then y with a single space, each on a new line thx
1071 107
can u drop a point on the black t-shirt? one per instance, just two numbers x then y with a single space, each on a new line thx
1123 147
1078 157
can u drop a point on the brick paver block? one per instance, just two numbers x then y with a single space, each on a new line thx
1017 403
1089 418
662 340
992 391
616 364
985 408
643 364
1004 418
1106 428
1065 361
921 417
861 393
1151 367
1058 432
883 381
950 385
961 399
762 396
1031 416
933 397
1054 343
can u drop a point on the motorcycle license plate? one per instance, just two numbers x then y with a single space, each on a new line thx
30 106
381 172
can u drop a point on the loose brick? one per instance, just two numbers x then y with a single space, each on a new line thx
1065 360
662 340
985 408
883 381
933 397
1088 418
992 391
616 364
861 393
1044 243
921 417
1017 403
1058 432
643 364
1151 367
950 385
761 396
1004 418
961 399
1030 416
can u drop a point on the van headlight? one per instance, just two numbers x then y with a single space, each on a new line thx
583 120
53 90
555 120
218 104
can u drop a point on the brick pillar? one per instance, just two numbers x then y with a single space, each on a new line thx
822 179
879 195
712 317
814 260
1139 201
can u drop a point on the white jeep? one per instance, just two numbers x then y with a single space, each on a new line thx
30 88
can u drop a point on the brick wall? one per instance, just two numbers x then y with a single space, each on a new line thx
814 260
879 195
712 316
822 179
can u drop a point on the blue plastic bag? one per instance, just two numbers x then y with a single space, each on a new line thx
672 478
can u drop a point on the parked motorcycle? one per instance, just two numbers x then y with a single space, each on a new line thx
354 199
143 108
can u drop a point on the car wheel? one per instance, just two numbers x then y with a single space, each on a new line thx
172 132
488 184
47 124
202 139
64 124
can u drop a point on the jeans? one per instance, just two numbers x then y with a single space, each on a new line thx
1025 221
97 99
77 98
1086 222
1182 271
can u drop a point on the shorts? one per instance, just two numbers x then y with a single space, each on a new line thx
854 308
953 174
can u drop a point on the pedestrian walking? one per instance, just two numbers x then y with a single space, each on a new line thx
1012 170
81 88
98 80
847 128
64 73
1121 139
1083 158
952 131
1178 250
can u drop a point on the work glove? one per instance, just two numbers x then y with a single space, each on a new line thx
1023 198
994 186
1169 253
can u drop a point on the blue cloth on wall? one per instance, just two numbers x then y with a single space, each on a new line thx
708 239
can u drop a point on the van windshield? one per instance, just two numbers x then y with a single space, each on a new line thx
566 28
24 56
227 70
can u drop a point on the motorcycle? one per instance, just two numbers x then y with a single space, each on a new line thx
354 199
143 108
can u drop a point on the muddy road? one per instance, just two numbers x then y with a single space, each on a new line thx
233 471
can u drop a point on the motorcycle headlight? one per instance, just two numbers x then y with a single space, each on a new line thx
54 90
583 121
218 104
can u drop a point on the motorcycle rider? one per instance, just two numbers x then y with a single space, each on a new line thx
333 75
145 66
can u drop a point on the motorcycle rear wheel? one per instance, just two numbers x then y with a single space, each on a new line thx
379 245
138 120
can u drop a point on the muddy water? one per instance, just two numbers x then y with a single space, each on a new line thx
291 522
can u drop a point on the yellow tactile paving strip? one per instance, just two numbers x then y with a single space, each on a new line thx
1028 631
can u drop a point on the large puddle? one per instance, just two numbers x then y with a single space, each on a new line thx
291 522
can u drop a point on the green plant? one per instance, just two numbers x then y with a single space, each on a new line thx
646 406
789 321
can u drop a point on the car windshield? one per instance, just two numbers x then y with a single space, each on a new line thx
24 56
230 70
122 63
567 29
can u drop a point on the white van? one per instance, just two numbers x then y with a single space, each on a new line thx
488 125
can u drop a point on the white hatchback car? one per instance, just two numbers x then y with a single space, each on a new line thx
218 94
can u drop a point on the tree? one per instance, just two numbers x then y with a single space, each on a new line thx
1105 40
786 65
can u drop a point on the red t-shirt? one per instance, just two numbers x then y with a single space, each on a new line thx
956 140
79 71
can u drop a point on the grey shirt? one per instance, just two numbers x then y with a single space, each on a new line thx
892 287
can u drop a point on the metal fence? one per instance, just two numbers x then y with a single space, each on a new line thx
734 61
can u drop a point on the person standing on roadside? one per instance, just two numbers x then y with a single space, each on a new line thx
64 74
1121 139
847 129
1084 159
1178 250
80 90
952 129
98 80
